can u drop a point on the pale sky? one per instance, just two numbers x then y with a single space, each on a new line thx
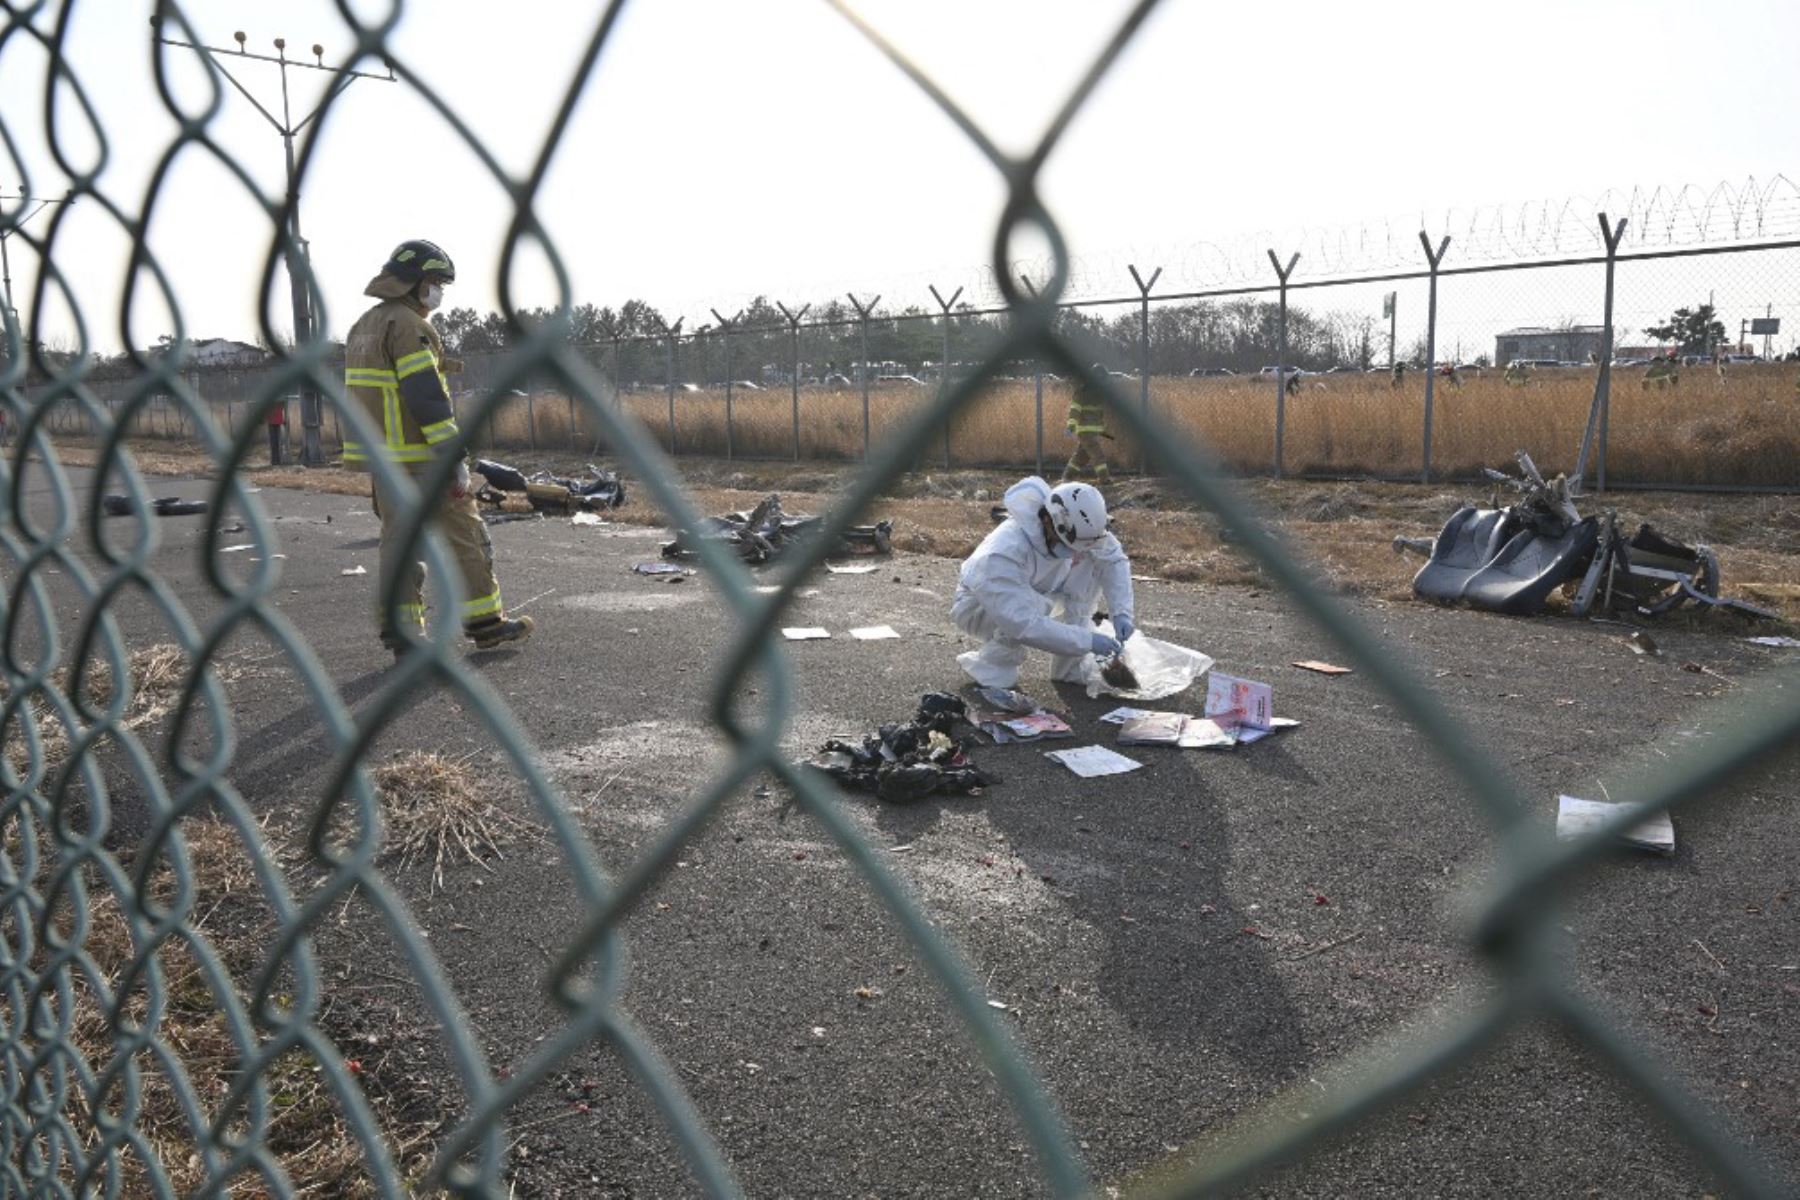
726 148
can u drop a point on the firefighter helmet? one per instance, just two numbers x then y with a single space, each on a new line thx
416 260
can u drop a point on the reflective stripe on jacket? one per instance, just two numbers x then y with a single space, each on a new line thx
393 366
1087 413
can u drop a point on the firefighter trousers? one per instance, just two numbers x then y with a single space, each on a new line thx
1089 459
460 523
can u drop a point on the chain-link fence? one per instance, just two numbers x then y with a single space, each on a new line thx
123 1009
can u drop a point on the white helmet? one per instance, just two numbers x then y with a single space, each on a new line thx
1077 512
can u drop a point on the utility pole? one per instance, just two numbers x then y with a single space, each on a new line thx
311 453
13 227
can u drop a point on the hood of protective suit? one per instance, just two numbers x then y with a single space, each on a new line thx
1024 500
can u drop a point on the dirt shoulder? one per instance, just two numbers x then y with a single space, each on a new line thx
1346 529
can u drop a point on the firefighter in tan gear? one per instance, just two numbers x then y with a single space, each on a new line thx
1087 421
393 366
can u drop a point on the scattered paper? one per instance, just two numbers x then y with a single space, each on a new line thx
1037 725
358 570
1790 643
1006 699
1153 729
1241 702
1090 762
1119 716
235 549
798 634
654 568
874 633
586 518
1323 668
1577 818
765 589
863 569
1204 733
1276 725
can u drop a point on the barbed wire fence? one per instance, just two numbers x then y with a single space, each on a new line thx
85 1040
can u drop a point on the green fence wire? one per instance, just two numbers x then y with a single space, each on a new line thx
83 1030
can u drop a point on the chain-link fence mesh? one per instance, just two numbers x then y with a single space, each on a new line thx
124 1011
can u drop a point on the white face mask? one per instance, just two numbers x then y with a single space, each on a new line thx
431 295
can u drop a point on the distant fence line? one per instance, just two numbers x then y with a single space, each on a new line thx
717 391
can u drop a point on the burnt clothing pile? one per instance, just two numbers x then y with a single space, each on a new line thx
597 489
903 764
763 533
1510 558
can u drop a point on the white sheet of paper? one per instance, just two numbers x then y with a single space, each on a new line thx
356 570
874 633
1119 716
1576 817
859 570
585 518
1092 761
806 634
235 549
765 589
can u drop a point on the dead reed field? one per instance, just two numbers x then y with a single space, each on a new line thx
1736 431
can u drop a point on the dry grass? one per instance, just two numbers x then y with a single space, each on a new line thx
1703 430
439 809
305 1132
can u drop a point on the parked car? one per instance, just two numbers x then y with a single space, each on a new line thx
745 385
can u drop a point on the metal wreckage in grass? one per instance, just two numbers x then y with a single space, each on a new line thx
1512 558
763 533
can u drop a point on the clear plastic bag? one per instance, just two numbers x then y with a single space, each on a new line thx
1162 669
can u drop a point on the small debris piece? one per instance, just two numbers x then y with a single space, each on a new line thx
585 518
1576 818
356 570
804 634
1320 899
235 549
1642 643
654 568
1785 642
998 1004
874 633
858 569
1323 668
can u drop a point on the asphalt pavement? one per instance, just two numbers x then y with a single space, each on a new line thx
1174 947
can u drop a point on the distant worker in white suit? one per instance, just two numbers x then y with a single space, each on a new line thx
1036 581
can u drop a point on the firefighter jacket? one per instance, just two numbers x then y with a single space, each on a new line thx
394 366
1087 413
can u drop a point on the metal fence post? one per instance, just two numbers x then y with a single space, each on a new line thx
944 375
793 320
1597 414
862 315
618 384
1430 345
674 334
730 428
1144 350
1282 274
531 419
1038 371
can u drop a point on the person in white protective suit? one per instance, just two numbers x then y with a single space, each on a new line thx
1035 583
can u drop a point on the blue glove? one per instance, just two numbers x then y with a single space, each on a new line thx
1123 627
1105 647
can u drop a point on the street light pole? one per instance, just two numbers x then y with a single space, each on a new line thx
312 454
5 259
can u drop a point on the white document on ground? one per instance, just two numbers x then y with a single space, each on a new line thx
1119 716
874 633
863 569
1089 762
1576 818
804 634
1243 702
